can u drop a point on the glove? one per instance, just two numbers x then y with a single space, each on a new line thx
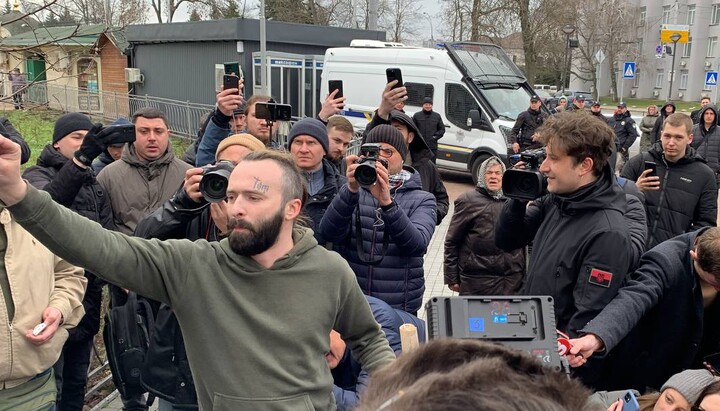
92 146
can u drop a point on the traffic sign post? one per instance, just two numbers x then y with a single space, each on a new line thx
711 80
628 73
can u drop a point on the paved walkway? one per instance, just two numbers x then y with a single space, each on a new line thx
433 281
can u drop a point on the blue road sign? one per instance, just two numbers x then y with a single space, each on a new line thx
629 69
659 49
711 78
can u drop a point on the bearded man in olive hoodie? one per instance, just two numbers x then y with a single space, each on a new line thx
256 308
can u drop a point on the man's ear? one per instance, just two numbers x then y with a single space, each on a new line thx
693 255
292 209
586 166
411 137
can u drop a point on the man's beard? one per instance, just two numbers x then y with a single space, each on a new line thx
257 238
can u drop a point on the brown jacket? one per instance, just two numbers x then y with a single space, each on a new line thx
137 187
38 279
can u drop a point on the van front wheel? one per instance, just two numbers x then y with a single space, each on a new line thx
475 169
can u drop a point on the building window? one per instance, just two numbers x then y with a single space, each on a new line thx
690 15
666 15
643 15
659 77
636 80
688 48
683 79
712 44
715 15
639 51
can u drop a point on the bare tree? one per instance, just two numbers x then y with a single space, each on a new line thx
400 21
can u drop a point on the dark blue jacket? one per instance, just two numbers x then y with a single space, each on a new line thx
349 378
398 279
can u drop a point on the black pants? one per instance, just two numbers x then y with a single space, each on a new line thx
434 157
71 372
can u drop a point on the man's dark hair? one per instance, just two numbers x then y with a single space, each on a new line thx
679 120
294 185
580 136
705 98
255 98
708 251
455 374
149 112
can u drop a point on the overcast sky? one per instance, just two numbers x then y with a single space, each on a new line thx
431 7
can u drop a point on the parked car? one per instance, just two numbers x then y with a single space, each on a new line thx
544 95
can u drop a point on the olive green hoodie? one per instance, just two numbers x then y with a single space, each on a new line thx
256 338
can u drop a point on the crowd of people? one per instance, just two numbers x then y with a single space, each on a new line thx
288 290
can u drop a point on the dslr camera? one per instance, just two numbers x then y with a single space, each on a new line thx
214 181
272 111
365 173
529 183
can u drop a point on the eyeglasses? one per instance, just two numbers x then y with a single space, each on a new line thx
386 152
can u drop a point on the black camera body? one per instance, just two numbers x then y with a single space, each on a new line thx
366 173
272 111
214 181
527 184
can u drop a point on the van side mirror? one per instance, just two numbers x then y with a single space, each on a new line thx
475 121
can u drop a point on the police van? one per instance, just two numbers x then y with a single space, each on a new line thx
476 88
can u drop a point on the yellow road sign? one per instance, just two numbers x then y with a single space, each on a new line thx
667 30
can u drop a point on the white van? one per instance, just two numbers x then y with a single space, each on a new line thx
476 88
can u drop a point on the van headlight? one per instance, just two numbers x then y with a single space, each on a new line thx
507 133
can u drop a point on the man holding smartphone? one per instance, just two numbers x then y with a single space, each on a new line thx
682 195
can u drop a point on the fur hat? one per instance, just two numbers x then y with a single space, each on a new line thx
68 123
245 140
389 135
310 127
689 383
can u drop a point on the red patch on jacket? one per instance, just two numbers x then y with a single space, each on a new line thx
600 277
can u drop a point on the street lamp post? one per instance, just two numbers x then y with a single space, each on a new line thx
568 29
675 37
432 34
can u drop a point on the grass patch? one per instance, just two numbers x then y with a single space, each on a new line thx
643 103
36 127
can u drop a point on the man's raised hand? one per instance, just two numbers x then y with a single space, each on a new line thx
12 187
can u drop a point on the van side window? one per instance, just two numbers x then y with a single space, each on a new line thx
416 92
458 103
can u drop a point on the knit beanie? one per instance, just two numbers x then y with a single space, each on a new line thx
689 383
310 127
68 123
389 135
245 140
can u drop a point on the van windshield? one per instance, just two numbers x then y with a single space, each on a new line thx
507 102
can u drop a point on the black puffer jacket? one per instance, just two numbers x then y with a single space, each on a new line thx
655 135
625 132
707 142
77 190
431 127
525 125
580 247
687 199
420 160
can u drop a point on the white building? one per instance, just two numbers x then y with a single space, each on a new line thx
692 60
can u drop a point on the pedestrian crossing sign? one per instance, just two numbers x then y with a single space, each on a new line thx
629 69
711 78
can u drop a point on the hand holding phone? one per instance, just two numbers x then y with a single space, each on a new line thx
651 165
39 329
231 81
630 402
336 85
394 74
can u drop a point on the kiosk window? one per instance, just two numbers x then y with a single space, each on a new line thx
458 103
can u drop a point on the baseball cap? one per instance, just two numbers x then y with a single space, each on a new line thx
580 97
622 105
534 98
596 104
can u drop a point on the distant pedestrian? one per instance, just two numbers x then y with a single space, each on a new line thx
695 114
625 133
430 124
646 127
523 133
19 84
667 109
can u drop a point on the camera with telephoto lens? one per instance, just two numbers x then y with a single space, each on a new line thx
214 181
527 184
365 173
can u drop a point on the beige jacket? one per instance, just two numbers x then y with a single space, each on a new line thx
38 279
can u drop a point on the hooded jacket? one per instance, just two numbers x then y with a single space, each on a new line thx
77 190
625 132
580 247
662 298
37 279
420 160
409 223
136 187
657 128
471 257
255 336
687 199
706 142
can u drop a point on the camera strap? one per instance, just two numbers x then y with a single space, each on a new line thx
359 240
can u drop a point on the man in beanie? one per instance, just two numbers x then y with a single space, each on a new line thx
186 215
473 264
523 132
672 300
113 152
308 143
383 229
574 228
419 155
73 184
430 124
